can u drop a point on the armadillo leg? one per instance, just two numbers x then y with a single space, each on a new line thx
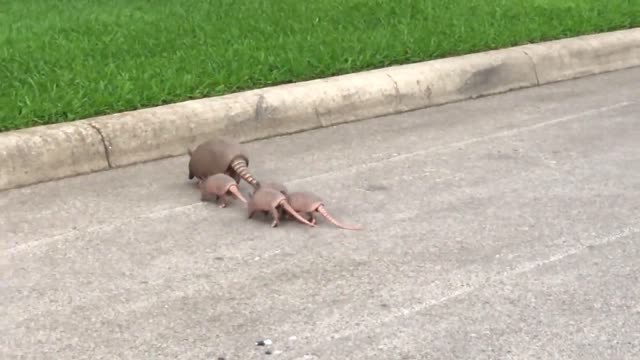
224 201
275 215
312 219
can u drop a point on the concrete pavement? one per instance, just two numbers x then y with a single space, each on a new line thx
506 227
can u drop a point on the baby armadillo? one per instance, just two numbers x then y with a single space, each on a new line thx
267 199
308 202
219 155
220 185
275 185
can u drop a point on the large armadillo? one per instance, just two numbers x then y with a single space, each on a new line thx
306 202
271 200
220 155
219 185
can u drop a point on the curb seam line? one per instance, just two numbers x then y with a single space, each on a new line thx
398 97
107 152
535 67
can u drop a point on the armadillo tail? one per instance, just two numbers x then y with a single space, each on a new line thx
240 167
234 190
295 214
330 218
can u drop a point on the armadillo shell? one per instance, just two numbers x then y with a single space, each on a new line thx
214 156
304 200
265 199
217 183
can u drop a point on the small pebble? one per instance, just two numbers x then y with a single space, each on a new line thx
268 352
264 342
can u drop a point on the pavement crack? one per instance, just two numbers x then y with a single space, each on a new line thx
107 147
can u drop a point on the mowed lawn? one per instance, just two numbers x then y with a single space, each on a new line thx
70 59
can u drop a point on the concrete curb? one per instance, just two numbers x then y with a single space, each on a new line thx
52 152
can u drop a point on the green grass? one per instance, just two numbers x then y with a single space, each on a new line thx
70 59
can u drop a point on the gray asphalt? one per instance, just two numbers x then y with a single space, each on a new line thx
505 227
